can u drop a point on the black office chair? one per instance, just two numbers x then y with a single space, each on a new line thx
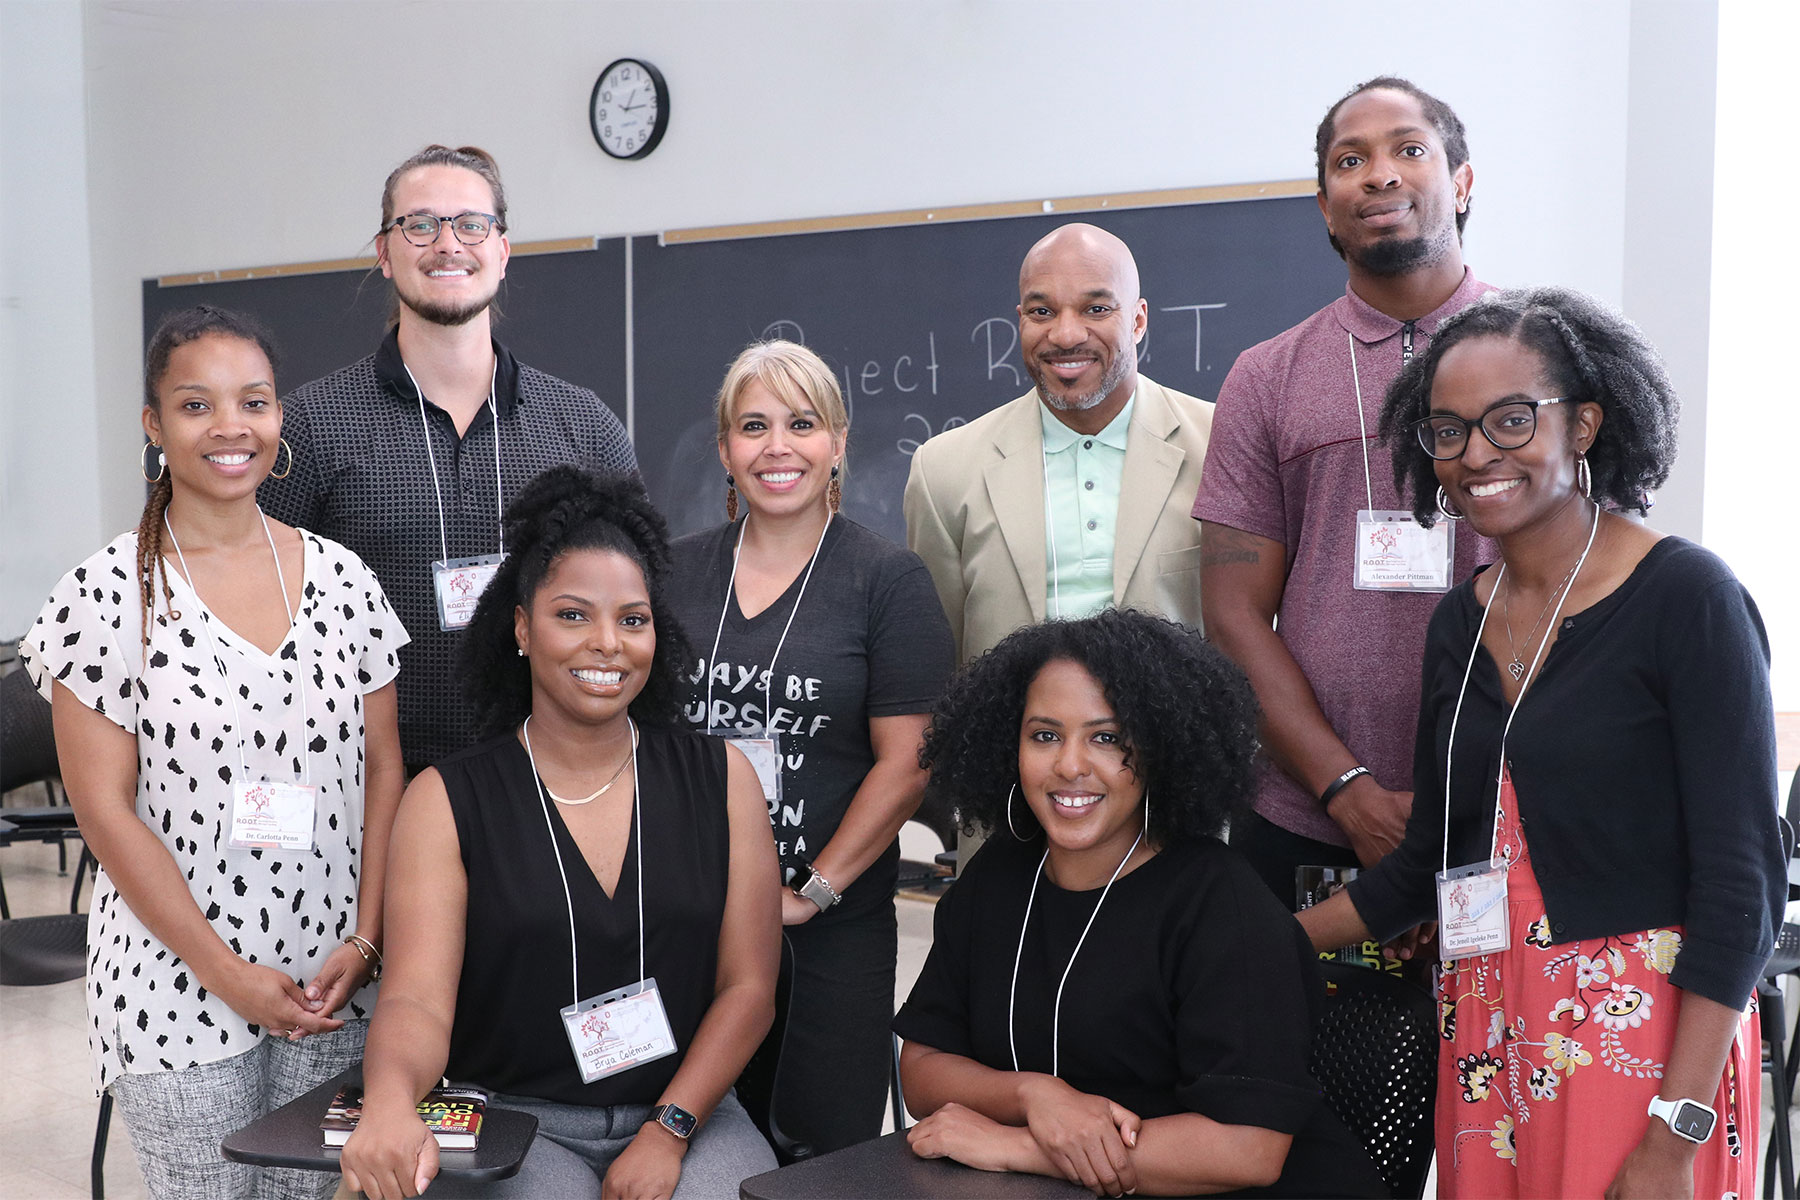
36 951
1778 1060
941 871
28 756
757 1085
1374 1054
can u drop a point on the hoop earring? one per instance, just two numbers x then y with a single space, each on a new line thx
1146 812
1009 820
834 491
1584 475
731 503
290 470
143 465
1445 508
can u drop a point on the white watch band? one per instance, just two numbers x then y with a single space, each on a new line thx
1669 1113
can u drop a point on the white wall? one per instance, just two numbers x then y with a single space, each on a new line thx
49 498
261 131
1755 410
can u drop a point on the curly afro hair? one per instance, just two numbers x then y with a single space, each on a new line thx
1589 353
1187 713
562 510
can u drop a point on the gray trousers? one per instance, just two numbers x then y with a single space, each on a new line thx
178 1118
576 1144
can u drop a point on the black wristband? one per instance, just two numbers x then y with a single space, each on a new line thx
1337 785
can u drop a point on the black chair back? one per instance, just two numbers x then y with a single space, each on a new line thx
756 1086
1374 1054
27 740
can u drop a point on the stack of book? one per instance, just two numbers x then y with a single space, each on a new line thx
452 1114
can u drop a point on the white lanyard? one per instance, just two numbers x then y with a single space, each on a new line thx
1362 423
219 661
1456 714
730 584
1050 529
637 819
430 457
1056 1012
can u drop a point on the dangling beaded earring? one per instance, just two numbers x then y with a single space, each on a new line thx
1444 507
834 492
730 497
1584 475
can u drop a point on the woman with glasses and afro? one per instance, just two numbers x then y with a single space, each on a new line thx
1594 823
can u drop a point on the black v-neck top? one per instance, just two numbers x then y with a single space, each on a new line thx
515 978
1643 756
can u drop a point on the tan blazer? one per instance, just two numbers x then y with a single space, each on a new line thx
975 514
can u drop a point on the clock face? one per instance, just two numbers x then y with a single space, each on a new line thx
629 109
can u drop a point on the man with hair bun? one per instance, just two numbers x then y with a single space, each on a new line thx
409 456
1310 576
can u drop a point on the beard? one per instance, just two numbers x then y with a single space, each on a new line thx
1082 401
446 313
450 315
1388 258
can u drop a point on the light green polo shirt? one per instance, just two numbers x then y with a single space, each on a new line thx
1082 477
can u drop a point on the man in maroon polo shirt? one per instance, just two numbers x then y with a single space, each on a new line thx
1311 579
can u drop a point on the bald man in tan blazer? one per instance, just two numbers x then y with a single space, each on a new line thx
975 497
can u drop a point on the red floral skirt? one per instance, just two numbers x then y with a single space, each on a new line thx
1551 1054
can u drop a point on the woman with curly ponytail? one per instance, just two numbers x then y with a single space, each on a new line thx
222 687
588 876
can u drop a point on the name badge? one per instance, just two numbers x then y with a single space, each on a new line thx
618 1031
764 754
1472 912
1394 553
268 814
459 583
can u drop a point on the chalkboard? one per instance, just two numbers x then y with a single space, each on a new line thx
917 318
919 321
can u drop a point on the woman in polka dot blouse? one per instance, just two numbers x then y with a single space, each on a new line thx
223 693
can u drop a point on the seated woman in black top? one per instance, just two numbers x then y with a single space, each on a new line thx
1112 995
581 916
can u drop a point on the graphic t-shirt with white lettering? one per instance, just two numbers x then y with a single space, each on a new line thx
869 640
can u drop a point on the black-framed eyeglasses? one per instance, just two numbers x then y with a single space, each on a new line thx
470 228
1508 425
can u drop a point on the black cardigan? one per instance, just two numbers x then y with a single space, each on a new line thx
1643 757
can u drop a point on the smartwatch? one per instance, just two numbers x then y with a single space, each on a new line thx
1690 1119
816 887
680 1122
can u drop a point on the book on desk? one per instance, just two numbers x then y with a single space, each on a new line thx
452 1114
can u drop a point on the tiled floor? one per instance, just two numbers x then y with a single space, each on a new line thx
46 1139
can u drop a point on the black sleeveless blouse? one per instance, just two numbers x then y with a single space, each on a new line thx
507 1033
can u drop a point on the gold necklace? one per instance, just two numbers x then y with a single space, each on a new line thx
1516 668
604 788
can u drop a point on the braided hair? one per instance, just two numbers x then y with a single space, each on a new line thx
1590 353
174 331
563 510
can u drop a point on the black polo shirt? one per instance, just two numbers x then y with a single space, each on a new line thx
362 476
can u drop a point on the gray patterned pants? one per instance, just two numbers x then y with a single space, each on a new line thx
178 1118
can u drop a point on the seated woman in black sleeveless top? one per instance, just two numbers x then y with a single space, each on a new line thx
580 919
1112 995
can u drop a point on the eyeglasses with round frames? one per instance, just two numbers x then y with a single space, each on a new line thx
1509 425
470 228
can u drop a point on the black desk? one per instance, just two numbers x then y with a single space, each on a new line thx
887 1169
289 1137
